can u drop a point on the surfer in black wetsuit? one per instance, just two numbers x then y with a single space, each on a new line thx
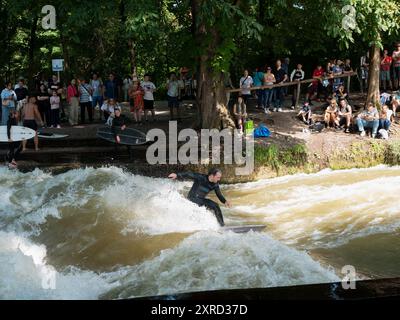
14 147
204 184
119 121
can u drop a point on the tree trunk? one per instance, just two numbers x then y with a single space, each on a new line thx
31 52
67 66
373 77
211 96
132 55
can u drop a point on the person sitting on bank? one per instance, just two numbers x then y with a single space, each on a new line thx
203 185
108 109
14 147
368 119
345 114
118 124
341 93
240 113
305 114
385 118
395 103
331 112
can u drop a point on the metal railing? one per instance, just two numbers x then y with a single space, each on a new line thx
347 75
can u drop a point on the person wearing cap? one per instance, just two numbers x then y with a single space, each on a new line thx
305 114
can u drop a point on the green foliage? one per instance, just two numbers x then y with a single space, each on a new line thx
374 19
275 158
392 153
247 33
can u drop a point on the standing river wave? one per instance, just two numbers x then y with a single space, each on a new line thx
108 234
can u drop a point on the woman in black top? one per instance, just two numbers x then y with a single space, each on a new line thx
43 99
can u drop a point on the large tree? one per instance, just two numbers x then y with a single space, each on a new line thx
372 20
215 26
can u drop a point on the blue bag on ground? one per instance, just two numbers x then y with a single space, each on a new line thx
261 132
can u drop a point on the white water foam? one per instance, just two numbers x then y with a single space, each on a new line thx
24 274
209 261
140 204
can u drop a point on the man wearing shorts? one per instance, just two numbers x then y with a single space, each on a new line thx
30 114
148 88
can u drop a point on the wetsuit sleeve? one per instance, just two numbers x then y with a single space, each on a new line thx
219 195
189 175
114 127
9 124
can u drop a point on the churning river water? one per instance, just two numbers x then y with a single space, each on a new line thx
107 234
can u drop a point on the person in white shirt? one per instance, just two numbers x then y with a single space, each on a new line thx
108 109
296 75
149 88
8 100
173 93
126 84
246 82
55 110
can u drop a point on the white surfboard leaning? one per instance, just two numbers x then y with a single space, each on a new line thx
18 133
244 228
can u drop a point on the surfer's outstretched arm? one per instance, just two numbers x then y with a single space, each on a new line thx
185 175
9 124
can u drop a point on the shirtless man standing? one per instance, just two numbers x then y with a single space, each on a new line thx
29 114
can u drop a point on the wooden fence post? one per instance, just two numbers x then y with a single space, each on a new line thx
298 94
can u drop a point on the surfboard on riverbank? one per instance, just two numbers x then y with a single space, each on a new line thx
129 136
49 135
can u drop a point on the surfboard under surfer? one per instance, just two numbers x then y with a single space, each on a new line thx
203 185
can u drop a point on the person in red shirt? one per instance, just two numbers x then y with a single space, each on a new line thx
396 66
386 63
316 86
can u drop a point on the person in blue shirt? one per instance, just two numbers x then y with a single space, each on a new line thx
8 98
258 78
111 88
